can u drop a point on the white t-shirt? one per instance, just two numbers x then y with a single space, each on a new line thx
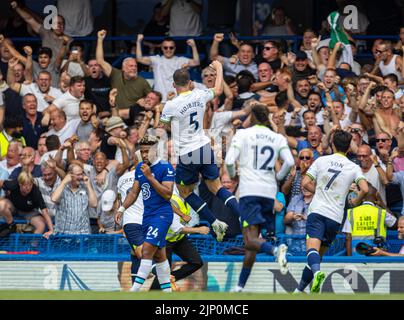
184 21
185 113
67 131
257 149
69 104
78 16
74 69
373 177
333 174
163 70
133 214
34 89
221 125
3 164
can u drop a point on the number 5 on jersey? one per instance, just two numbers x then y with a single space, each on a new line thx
192 120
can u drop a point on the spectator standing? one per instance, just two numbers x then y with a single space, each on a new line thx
48 183
277 23
232 66
387 62
78 15
69 102
296 218
24 200
60 126
98 87
13 157
88 120
157 27
54 38
27 164
32 127
372 170
131 87
185 17
73 198
13 127
41 89
74 65
104 176
164 66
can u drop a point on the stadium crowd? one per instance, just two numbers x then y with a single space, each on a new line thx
71 124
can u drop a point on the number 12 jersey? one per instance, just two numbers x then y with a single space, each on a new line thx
257 149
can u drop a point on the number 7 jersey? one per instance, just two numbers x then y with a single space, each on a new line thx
257 149
334 175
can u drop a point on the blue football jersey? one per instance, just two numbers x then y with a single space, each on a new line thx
153 202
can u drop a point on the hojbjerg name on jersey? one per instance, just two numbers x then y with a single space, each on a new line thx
195 104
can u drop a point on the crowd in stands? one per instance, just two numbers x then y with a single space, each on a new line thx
70 123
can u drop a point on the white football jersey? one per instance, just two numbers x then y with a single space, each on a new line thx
257 149
185 112
334 175
133 214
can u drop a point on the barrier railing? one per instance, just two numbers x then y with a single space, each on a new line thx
116 247
295 41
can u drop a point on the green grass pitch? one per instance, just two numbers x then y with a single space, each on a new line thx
92 295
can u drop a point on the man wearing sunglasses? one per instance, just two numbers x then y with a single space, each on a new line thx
164 66
386 62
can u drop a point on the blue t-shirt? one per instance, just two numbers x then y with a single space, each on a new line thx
342 95
304 144
36 172
153 202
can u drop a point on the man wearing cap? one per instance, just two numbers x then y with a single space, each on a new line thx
106 217
301 68
114 131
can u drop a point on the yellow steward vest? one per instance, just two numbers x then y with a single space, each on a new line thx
367 221
185 209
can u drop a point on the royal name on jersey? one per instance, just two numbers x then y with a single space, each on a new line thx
257 149
133 214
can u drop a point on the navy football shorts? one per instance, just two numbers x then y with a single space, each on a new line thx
323 228
134 234
257 211
201 161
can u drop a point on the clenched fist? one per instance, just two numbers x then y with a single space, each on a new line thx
102 34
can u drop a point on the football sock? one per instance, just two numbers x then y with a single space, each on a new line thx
163 271
313 260
267 248
200 207
244 274
142 274
307 277
134 267
230 201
